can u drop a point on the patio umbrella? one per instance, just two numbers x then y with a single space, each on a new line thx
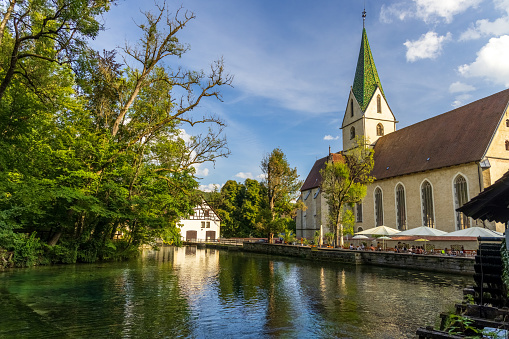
425 240
379 230
360 236
383 240
422 231
474 232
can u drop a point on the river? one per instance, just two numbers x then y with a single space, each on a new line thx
205 293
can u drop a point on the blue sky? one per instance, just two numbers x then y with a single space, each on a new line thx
294 63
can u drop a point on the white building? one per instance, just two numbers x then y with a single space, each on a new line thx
202 225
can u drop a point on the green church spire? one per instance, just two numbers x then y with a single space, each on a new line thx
366 77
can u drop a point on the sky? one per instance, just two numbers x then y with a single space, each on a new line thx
294 61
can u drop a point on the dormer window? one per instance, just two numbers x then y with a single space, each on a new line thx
379 130
378 104
352 132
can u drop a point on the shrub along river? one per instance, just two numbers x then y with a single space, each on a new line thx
205 293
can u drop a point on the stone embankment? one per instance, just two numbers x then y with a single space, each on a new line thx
436 263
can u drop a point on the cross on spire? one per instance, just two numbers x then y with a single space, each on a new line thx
363 17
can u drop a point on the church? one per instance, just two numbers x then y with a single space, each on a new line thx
423 172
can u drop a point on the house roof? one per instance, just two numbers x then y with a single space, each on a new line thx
491 204
453 138
314 178
366 78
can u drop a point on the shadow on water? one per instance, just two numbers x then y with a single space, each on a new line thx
206 293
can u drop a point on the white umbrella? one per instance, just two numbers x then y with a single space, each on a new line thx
379 230
422 231
474 232
360 236
383 240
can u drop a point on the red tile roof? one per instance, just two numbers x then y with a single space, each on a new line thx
314 178
453 138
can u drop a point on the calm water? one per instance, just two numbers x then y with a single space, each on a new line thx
205 293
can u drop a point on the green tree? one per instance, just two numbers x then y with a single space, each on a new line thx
282 189
344 183
97 149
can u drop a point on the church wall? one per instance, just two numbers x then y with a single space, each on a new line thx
498 168
497 148
309 221
443 197
349 143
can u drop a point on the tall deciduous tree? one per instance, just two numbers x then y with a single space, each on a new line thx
282 188
344 183
97 149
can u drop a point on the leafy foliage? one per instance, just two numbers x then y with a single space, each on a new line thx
93 160
282 189
344 183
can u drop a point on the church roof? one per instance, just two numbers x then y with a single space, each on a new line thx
366 77
453 138
314 178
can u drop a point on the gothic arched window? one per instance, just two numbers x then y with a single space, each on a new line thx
460 198
352 132
379 208
380 130
400 207
378 104
428 218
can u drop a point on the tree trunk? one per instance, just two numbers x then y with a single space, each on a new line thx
54 239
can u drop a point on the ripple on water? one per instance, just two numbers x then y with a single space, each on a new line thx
184 293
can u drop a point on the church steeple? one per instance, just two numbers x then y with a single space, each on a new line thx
367 112
366 78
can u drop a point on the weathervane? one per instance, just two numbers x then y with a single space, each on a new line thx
363 16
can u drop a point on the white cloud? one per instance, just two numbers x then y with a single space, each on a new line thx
461 100
491 62
201 172
209 187
183 134
459 87
330 137
487 28
262 176
244 175
428 46
427 10
446 9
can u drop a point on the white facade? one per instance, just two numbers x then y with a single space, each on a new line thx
203 225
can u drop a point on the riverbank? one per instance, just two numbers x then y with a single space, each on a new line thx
433 263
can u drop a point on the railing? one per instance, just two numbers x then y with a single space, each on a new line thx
226 241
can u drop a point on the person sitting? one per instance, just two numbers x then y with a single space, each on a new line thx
351 247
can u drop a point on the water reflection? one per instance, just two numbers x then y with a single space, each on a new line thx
203 293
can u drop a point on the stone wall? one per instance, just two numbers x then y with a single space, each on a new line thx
446 264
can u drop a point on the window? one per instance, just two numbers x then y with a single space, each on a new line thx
378 104
358 210
507 145
460 198
208 224
380 130
351 107
400 207
507 123
206 213
203 224
379 209
427 204
352 132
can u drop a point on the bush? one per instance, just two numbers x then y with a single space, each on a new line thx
27 250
